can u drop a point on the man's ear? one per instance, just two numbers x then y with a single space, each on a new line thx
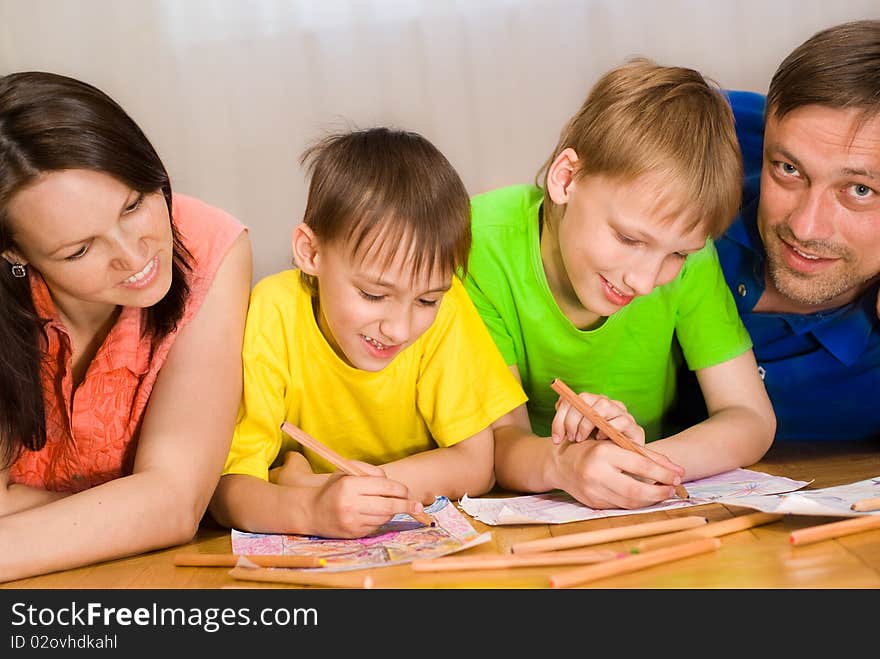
560 175
305 249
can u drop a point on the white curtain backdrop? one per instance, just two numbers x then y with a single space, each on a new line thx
231 91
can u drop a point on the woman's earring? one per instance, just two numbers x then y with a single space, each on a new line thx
18 270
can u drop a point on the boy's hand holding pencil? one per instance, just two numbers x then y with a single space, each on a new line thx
379 509
579 417
570 424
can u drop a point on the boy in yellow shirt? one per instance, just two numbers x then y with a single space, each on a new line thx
372 346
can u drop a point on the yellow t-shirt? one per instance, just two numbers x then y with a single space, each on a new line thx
447 386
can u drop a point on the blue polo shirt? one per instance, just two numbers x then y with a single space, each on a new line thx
821 370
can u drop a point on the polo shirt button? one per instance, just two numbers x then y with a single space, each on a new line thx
741 289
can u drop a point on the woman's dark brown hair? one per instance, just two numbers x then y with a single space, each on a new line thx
50 122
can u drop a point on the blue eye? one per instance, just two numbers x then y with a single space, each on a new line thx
861 190
787 168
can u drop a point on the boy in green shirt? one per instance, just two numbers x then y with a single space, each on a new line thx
593 279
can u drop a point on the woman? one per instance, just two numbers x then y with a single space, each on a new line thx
122 317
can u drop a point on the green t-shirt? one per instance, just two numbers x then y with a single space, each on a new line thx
631 356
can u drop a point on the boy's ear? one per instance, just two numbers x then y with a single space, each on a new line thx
560 175
305 249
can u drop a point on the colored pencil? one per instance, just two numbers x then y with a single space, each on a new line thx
866 505
339 462
632 563
231 560
348 579
600 422
713 530
503 561
608 535
325 452
834 529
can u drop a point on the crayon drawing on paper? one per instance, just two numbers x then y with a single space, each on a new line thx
400 540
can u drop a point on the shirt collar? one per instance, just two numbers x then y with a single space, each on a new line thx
123 346
744 231
844 332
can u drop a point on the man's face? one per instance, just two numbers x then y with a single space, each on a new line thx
819 211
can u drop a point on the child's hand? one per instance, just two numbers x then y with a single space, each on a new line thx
570 425
600 474
355 506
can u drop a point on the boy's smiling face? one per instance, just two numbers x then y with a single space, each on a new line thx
613 241
370 312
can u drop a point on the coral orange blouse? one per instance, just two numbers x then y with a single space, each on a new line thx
91 433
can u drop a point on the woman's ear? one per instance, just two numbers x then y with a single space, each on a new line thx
560 175
13 258
305 249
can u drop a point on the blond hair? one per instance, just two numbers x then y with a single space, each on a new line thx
642 118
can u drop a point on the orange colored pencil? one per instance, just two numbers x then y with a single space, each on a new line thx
834 529
632 563
348 579
608 535
866 505
339 462
713 530
231 560
504 561
600 422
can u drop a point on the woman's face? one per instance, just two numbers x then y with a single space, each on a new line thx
97 243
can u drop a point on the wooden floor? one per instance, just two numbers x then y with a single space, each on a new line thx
757 558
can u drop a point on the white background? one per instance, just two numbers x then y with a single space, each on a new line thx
231 91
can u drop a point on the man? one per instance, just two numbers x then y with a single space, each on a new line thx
803 257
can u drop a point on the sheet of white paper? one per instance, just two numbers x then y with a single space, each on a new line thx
559 507
826 501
